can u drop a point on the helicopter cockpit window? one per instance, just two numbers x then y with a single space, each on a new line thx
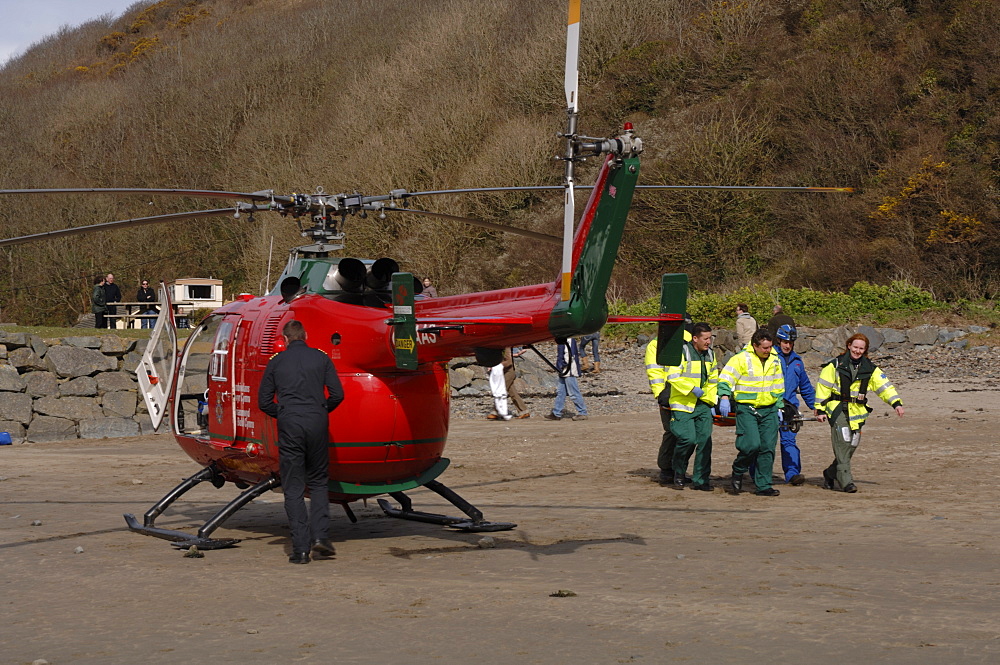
220 353
199 361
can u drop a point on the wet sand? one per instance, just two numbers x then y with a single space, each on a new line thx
905 571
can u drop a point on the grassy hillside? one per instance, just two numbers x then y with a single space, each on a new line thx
895 97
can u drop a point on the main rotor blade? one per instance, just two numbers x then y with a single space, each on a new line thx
205 193
124 223
553 188
572 85
478 222
477 190
750 188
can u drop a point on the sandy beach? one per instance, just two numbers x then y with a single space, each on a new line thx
905 571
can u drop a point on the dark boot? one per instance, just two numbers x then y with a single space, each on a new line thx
829 478
736 483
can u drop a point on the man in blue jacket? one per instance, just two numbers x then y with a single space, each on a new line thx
796 381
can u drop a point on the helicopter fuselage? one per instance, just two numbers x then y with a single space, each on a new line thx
391 430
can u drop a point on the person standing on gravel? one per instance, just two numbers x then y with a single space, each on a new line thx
745 324
567 369
842 396
752 379
796 381
657 375
499 390
98 302
692 394
778 319
307 388
509 376
593 342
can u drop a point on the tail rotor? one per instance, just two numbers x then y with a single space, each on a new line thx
572 85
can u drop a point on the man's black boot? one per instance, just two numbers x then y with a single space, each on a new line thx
829 478
736 483
323 547
299 557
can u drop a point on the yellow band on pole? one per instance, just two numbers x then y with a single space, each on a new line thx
567 283
574 12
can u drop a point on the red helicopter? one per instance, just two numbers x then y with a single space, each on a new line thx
390 347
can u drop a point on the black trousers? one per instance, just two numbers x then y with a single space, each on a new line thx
304 462
665 456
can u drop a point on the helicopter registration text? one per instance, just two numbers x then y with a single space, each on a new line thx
241 396
425 337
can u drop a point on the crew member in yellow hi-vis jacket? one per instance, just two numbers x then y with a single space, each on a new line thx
657 375
842 395
754 381
693 393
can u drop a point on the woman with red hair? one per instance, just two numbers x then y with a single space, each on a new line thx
842 396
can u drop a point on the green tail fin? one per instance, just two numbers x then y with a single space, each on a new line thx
586 311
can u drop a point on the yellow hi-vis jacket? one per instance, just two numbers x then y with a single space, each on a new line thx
692 373
836 375
751 381
657 374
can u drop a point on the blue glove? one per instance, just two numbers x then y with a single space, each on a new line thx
697 392
724 407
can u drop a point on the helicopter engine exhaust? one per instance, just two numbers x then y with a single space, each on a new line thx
380 273
349 275
290 287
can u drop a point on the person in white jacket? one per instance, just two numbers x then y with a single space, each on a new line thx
746 325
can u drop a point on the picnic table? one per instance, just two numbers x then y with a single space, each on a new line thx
128 316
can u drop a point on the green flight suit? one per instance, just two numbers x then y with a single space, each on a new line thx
693 432
756 437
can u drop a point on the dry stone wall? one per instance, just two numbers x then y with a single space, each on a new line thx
85 387
74 387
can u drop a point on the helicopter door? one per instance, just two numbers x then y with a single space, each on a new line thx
222 397
155 371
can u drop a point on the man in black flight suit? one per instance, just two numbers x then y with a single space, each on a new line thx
297 376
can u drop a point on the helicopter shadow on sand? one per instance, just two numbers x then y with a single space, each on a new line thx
373 524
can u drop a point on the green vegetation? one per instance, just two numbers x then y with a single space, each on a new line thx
899 304
894 97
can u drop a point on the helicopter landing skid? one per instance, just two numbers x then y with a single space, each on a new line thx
473 523
182 540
